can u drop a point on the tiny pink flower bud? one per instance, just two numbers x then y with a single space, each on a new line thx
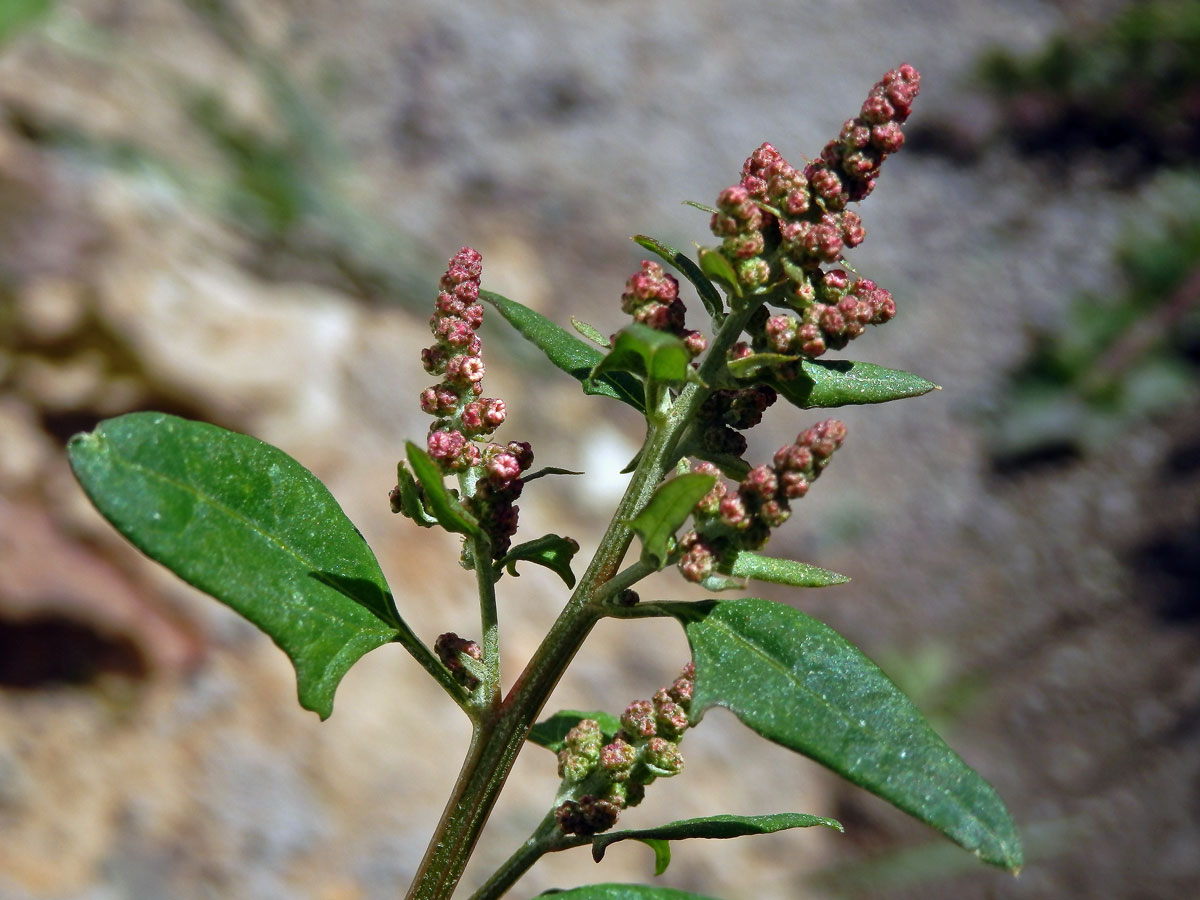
876 110
761 482
445 445
662 757
617 758
638 719
773 513
695 342
503 468
733 512
794 484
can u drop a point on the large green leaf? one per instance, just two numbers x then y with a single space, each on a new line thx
708 827
551 733
709 296
800 684
783 571
623 892
245 522
666 510
825 383
575 357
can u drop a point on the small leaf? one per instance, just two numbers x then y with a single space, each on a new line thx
549 470
749 366
449 513
783 571
662 853
717 268
841 382
711 827
567 352
591 332
549 550
622 892
551 733
249 525
708 294
718 583
410 498
799 683
666 510
648 353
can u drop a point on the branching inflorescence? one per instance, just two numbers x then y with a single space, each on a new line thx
788 300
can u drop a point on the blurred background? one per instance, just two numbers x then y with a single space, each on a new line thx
237 211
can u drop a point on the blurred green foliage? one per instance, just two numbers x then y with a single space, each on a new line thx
1126 95
1131 86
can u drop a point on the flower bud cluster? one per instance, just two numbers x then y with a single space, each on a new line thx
726 411
839 312
462 415
450 649
799 217
652 298
602 779
728 521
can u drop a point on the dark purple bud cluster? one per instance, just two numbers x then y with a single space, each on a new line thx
728 521
451 649
652 298
727 411
600 781
780 223
462 416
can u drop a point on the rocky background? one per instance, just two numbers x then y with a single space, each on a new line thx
237 211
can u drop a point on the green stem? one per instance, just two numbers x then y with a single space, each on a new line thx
499 738
542 841
489 622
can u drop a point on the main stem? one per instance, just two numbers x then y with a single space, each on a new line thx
498 738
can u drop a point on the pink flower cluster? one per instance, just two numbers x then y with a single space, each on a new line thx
730 521
839 312
652 298
462 414
782 224
608 778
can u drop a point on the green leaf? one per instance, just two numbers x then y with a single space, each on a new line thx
410 504
575 357
709 827
662 853
591 332
245 522
716 267
783 571
623 892
549 550
749 366
646 352
551 733
708 294
800 684
666 510
450 514
549 470
841 382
